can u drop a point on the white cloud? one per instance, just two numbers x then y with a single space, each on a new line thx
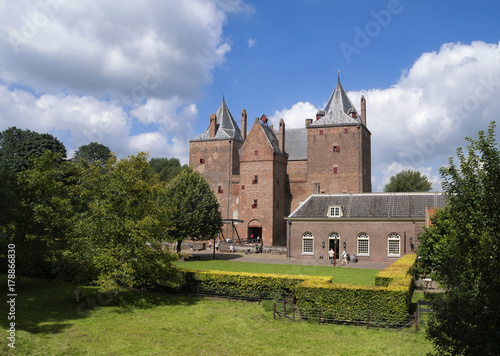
420 121
123 73
296 115
114 47
251 42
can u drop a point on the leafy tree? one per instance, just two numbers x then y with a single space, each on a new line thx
195 208
18 146
166 168
408 181
39 214
462 249
117 233
93 152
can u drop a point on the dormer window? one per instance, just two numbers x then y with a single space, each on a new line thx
334 211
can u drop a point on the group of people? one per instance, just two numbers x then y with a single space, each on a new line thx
331 255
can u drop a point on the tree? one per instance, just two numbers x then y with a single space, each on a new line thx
93 152
40 213
121 223
462 249
18 147
166 168
195 208
408 181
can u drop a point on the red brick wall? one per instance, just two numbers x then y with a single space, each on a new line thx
378 233
350 176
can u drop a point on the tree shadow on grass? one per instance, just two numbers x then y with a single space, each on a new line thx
48 306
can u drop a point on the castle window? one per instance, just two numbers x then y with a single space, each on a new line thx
336 148
346 131
219 190
202 160
256 152
307 243
242 187
334 211
255 180
254 205
316 188
321 132
393 244
335 170
363 244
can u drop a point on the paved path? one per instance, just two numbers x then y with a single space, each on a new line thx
278 259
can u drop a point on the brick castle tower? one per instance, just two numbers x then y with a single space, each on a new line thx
261 178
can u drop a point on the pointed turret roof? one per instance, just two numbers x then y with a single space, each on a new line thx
227 128
338 110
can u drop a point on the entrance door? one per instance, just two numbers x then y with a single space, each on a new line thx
334 242
255 234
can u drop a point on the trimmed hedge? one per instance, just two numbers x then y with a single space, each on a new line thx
245 285
387 302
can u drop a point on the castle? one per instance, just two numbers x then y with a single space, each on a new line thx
261 177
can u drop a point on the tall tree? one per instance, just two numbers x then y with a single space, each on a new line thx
195 208
93 152
18 147
40 214
462 251
408 181
121 224
166 168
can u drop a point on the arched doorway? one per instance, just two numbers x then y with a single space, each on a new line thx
334 242
254 232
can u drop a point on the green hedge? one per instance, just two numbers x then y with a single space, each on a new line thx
245 285
387 302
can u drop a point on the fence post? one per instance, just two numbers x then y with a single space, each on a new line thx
259 297
274 311
229 294
197 290
284 306
416 321
319 315
293 308
367 319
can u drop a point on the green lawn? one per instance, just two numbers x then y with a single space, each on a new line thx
353 276
50 322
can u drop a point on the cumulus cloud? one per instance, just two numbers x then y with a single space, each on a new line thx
251 42
420 121
105 70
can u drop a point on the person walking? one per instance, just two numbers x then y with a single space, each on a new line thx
331 255
344 257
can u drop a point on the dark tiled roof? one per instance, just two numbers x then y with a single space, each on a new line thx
295 143
371 205
271 136
227 128
338 110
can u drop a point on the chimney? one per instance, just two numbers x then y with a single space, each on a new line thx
308 122
264 119
282 135
363 109
244 124
213 126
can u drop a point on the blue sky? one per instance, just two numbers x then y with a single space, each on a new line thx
145 76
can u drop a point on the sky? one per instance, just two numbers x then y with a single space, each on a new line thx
146 75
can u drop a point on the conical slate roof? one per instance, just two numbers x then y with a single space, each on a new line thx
227 128
338 110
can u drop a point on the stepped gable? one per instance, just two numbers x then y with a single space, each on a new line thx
371 205
226 126
339 110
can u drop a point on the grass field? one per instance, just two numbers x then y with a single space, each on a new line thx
353 276
50 322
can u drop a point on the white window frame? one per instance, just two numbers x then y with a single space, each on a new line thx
334 211
363 238
392 239
307 238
